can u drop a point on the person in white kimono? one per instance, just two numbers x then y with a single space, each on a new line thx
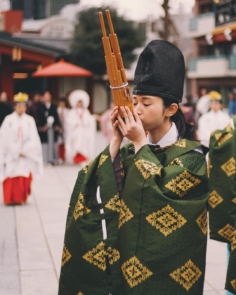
80 139
212 120
20 153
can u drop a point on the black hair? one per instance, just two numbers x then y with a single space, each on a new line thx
185 130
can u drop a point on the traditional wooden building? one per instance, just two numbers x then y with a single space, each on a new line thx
213 61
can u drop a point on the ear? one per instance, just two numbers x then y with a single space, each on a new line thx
171 110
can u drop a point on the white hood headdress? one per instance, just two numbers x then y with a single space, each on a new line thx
78 95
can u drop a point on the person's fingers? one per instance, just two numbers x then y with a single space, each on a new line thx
129 114
125 115
136 117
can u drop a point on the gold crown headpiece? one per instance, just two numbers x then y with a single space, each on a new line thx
20 97
214 95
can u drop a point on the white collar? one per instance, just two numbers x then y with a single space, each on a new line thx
169 138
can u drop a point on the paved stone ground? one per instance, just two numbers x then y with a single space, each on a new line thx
31 238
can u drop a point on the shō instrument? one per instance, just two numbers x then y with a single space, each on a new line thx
114 63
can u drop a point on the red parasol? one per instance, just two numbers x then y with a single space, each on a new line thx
62 69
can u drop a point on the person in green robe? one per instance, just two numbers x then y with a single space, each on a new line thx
222 200
137 220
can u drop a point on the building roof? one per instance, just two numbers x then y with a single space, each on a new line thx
8 39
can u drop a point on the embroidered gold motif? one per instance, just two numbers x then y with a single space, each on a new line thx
114 203
80 293
223 138
102 160
134 272
215 199
187 275
202 222
80 208
229 167
182 183
97 256
233 243
209 166
234 200
65 255
181 143
176 162
125 214
86 168
227 232
166 220
147 168
229 127
233 283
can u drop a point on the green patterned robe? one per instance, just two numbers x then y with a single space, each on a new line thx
222 200
155 238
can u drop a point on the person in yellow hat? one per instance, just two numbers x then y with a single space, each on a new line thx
20 153
212 120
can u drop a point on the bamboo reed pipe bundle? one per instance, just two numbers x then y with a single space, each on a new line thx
114 63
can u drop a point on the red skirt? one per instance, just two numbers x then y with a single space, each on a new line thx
16 189
79 158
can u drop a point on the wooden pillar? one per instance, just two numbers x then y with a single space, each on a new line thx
90 90
54 88
6 76
194 88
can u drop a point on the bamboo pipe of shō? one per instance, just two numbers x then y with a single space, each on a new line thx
111 64
114 63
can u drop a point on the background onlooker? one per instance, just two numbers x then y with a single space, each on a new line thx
5 107
232 104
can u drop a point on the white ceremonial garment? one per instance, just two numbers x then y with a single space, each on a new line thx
19 135
210 122
203 104
63 114
81 129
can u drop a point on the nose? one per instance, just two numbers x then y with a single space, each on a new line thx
137 108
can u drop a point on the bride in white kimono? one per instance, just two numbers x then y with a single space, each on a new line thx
81 129
20 153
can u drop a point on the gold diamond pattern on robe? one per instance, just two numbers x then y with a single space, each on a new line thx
80 293
215 199
181 143
114 203
233 243
176 162
229 167
182 183
65 255
222 138
102 160
147 168
209 167
227 232
187 275
125 214
80 208
122 172
86 168
134 272
166 220
234 200
97 256
202 222
229 127
233 283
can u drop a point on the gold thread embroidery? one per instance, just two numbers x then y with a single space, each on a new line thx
147 168
134 272
187 275
97 256
80 208
229 167
229 128
86 168
102 160
181 143
166 220
233 243
176 162
215 199
234 200
80 293
227 232
233 283
222 138
114 203
182 183
66 256
125 214
122 172
209 167
202 222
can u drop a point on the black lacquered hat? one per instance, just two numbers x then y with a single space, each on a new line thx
160 71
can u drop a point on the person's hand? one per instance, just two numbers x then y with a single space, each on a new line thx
56 128
117 135
132 128
44 128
